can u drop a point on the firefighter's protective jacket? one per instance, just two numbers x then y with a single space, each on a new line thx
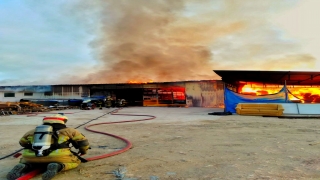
109 102
62 155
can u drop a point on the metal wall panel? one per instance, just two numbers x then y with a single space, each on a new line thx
205 94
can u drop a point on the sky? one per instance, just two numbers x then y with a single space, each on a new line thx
119 41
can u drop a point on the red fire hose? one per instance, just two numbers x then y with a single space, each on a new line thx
129 144
127 147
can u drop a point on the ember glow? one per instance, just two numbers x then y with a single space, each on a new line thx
139 82
296 93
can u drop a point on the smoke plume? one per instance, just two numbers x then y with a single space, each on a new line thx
165 40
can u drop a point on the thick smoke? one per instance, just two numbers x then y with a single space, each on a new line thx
153 41
165 40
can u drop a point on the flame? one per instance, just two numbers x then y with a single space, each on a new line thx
256 89
297 93
139 82
307 95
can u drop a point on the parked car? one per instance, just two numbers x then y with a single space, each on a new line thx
87 106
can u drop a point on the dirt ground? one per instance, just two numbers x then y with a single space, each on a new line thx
183 144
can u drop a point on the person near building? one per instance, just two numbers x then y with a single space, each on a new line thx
123 103
113 101
108 102
99 103
48 145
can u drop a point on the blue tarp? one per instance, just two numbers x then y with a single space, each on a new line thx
98 97
232 99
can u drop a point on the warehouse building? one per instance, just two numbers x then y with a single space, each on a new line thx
203 93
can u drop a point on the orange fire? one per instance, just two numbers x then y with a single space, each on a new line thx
307 95
139 82
257 89
296 93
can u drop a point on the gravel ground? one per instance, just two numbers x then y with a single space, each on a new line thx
182 144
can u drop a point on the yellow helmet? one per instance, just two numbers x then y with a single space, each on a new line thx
58 118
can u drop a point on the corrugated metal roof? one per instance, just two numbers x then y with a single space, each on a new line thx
100 84
130 83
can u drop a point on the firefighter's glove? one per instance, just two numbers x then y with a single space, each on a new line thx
83 146
83 151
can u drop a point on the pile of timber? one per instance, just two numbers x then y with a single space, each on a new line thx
28 107
7 108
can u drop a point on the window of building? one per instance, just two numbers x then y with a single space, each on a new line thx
48 93
28 94
9 94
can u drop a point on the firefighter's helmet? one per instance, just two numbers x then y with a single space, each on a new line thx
58 118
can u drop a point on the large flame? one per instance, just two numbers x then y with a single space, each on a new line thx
307 95
297 93
258 89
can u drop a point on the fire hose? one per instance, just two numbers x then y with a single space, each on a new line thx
127 147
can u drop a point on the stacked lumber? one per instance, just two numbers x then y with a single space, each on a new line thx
7 108
32 107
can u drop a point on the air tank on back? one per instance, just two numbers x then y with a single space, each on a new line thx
42 138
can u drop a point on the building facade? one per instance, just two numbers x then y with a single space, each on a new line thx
204 93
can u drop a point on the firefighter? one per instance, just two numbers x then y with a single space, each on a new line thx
99 103
118 104
113 101
108 102
123 103
48 146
